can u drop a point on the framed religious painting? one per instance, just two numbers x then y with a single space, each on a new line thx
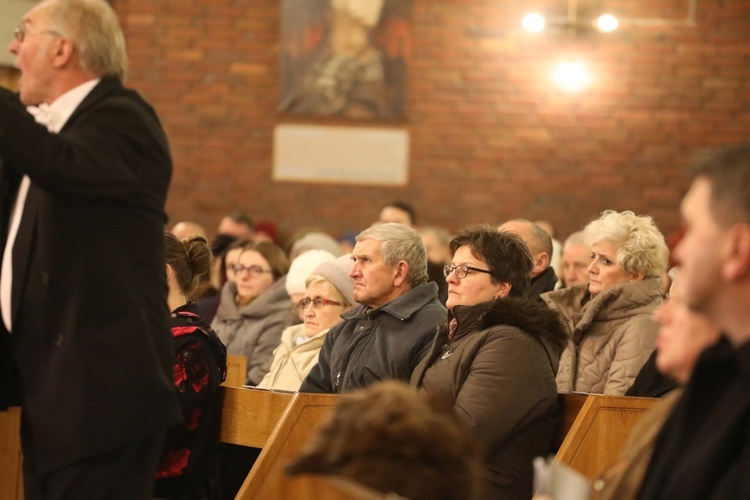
345 58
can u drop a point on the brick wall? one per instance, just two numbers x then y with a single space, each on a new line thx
491 136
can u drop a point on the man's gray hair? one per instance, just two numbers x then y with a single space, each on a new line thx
400 242
576 238
93 29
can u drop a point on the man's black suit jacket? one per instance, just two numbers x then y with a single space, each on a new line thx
90 332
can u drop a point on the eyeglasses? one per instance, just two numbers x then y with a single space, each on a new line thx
20 33
317 302
253 270
462 271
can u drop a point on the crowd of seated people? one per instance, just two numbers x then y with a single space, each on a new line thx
373 316
447 386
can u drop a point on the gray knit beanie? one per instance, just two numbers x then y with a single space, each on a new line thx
337 272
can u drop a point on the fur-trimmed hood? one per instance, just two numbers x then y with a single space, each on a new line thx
534 318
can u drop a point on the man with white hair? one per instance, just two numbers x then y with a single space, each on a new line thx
85 172
576 257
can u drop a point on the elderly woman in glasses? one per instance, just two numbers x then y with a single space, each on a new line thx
255 308
329 293
612 331
496 357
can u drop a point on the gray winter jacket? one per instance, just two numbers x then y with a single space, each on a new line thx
254 330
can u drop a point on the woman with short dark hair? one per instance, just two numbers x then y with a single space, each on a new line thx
496 357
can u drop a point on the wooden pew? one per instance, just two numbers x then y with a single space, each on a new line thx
11 479
570 406
249 416
304 415
315 487
236 371
599 432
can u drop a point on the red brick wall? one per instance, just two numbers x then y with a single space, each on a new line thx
491 137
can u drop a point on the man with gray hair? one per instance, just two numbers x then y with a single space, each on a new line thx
543 278
576 258
387 335
84 176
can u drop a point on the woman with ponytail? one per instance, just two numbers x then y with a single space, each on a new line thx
200 367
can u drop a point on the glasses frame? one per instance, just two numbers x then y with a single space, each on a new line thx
20 33
317 302
253 270
448 269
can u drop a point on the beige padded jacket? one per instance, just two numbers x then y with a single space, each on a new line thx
612 335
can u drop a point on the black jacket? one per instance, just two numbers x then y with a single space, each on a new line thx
91 334
545 282
703 449
377 344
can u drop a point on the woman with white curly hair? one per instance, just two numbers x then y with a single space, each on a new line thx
612 333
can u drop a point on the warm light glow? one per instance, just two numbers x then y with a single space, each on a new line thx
533 22
571 76
607 22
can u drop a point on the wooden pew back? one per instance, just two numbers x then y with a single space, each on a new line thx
315 487
236 371
570 406
11 478
303 417
249 416
599 432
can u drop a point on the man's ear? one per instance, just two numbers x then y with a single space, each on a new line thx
737 256
541 262
62 52
401 271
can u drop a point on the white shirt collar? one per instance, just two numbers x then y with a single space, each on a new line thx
64 106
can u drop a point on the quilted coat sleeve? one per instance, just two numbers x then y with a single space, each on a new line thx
634 346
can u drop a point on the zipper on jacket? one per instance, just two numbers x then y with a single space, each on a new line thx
575 366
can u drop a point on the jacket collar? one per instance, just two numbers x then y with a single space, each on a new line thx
469 318
532 317
402 307
106 86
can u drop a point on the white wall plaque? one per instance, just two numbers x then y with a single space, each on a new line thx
349 155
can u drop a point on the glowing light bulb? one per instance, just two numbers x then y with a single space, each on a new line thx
571 76
533 23
607 22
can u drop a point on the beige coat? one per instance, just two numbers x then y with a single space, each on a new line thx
612 335
291 363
